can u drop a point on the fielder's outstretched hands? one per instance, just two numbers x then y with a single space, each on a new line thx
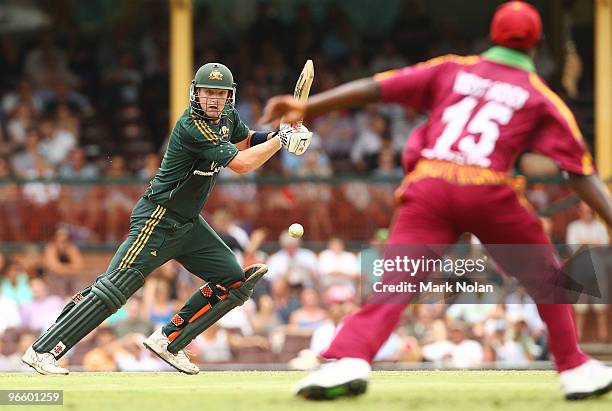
295 139
285 107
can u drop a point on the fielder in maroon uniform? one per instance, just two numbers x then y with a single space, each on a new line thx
484 110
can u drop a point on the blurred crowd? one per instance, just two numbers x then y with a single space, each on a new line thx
81 104
87 99
77 105
294 314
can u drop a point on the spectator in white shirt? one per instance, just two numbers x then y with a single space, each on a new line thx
130 354
213 345
239 318
521 307
298 265
10 313
337 266
587 231
457 351
55 144
472 314
508 351
21 121
23 94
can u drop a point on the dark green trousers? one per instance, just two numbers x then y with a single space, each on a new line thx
158 235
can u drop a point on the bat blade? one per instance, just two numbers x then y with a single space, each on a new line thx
302 87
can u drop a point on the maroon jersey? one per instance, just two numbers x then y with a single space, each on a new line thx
484 111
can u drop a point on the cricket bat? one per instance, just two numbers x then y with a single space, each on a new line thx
302 87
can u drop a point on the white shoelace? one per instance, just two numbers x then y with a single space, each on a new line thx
48 359
183 355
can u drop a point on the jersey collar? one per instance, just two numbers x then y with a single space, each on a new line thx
509 57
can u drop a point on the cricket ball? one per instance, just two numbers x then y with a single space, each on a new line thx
296 230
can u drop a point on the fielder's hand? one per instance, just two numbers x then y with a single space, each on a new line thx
295 139
285 107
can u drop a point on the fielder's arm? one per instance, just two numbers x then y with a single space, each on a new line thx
595 193
352 94
251 158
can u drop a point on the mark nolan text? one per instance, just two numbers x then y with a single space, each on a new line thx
429 287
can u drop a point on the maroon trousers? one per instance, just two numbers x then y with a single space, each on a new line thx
436 211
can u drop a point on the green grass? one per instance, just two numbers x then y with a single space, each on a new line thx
271 391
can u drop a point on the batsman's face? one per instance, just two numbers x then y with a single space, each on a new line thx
212 101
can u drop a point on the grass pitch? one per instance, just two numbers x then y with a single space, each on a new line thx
271 391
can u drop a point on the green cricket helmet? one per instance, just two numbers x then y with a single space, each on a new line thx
212 75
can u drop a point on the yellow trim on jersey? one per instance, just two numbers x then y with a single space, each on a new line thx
195 122
384 74
145 239
454 58
158 212
450 58
212 133
558 103
200 124
461 174
587 164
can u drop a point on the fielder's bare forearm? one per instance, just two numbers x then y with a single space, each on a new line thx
252 158
594 192
353 94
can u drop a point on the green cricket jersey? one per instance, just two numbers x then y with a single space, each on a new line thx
196 152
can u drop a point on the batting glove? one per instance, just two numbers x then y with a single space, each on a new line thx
295 139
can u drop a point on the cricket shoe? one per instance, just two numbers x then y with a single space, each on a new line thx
590 379
44 363
345 377
158 344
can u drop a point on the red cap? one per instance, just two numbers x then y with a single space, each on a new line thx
516 24
339 294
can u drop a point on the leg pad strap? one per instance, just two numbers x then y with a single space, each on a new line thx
109 294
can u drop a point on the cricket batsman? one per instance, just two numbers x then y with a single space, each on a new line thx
166 224
484 110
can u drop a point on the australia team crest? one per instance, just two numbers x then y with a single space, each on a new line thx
224 132
215 75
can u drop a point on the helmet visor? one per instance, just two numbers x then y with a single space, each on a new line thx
211 103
